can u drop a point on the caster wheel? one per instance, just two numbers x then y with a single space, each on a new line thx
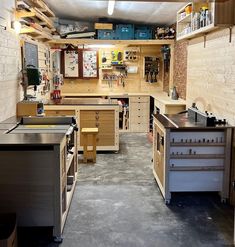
223 200
167 202
58 240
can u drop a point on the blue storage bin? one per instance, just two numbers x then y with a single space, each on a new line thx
106 34
124 31
143 33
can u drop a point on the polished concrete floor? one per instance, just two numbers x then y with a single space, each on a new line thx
117 203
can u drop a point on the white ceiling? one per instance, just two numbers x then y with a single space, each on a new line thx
126 11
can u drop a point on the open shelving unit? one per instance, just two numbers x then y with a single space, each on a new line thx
191 159
37 18
192 22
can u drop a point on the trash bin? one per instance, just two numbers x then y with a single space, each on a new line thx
8 234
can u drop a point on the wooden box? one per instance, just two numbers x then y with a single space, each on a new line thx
27 108
8 236
108 26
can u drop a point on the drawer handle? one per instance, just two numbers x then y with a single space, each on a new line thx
97 117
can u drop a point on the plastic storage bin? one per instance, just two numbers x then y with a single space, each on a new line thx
143 33
106 34
124 31
8 235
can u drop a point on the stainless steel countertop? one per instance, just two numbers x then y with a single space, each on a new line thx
182 121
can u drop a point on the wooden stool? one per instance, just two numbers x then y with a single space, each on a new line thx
89 154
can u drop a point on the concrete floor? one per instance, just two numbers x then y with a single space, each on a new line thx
117 203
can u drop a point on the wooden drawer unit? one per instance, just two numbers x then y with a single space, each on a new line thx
104 120
60 112
139 114
139 99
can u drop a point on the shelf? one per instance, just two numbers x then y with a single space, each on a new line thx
69 159
36 33
35 12
197 168
197 144
185 19
198 32
197 156
111 42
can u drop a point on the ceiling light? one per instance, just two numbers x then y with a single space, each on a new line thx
111 6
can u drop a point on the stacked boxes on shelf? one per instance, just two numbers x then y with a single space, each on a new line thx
125 32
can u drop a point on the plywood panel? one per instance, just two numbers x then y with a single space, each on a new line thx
211 74
134 83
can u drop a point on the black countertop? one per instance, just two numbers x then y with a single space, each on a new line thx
81 101
181 121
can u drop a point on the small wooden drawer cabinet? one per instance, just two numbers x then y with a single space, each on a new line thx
139 113
104 120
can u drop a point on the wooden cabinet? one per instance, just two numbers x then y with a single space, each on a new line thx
37 178
164 107
198 18
80 63
104 117
191 159
60 112
139 113
104 120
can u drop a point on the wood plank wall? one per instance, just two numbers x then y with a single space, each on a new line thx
134 82
211 74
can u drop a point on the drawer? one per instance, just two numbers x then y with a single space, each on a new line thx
97 115
139 106
195 181
60 112
139 127
139 99
140 119
103 139
103 126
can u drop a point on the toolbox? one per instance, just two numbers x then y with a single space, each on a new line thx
106 34
124 31
143 32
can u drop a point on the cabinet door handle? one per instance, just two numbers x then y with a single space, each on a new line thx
97 117
97 125
97 112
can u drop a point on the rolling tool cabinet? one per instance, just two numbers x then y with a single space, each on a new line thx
193 158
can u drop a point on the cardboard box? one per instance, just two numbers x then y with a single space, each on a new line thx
27 108
8 230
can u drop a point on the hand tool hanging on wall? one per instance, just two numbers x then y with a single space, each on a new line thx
166 52
152 65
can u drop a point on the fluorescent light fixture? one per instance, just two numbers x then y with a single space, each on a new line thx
111 6
17 26
101 46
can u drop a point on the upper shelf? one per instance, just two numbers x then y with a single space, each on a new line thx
111 42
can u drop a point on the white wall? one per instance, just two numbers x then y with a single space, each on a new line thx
9 63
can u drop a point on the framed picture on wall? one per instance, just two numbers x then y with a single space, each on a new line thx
90 63
70 62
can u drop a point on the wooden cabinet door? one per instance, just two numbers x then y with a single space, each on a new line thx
159 153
